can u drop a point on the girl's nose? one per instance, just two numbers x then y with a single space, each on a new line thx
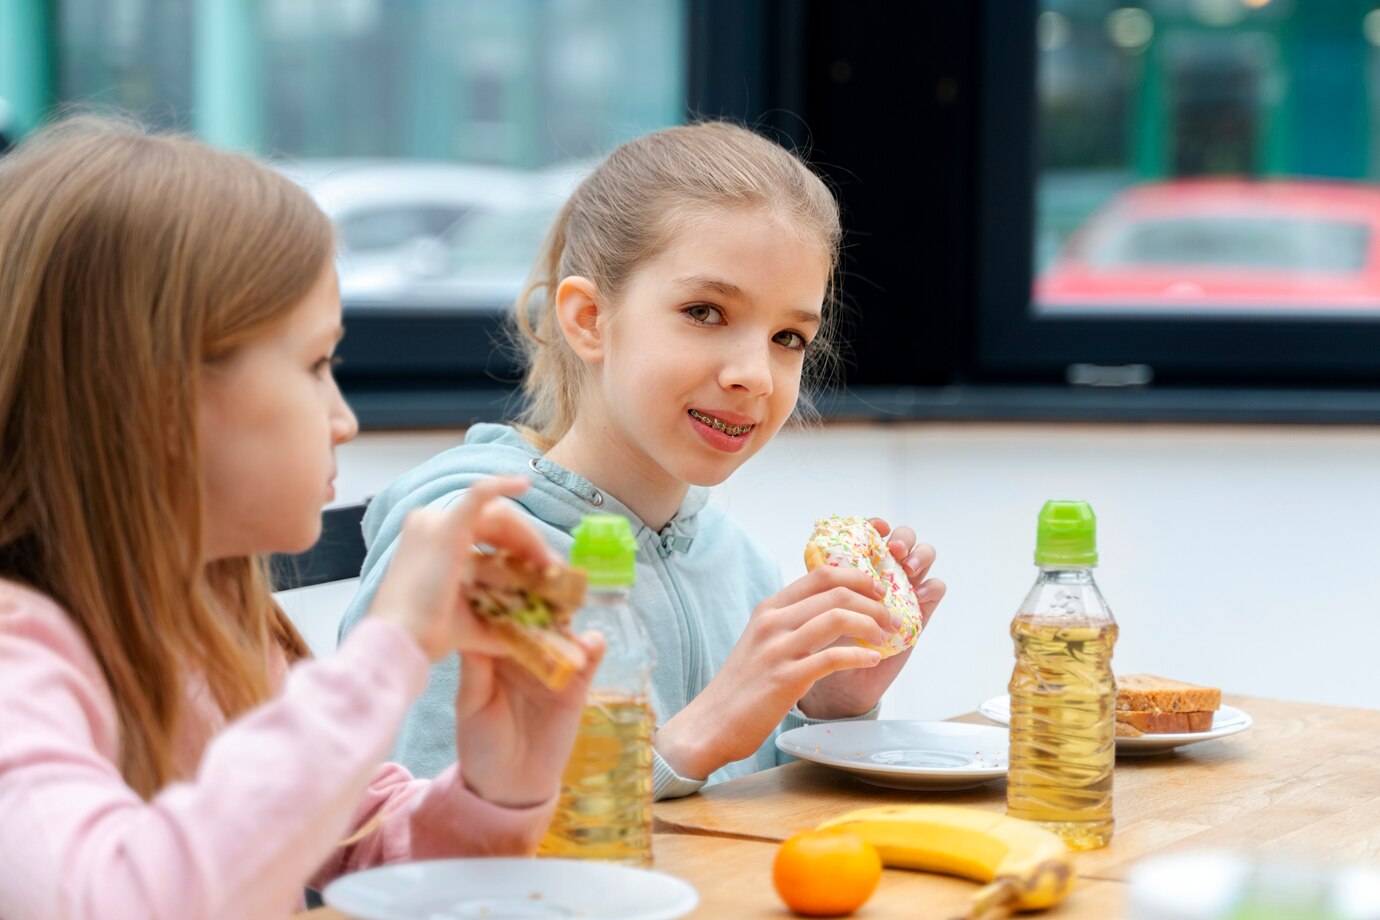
344 425
748 368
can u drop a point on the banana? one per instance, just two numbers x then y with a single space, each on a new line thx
1025 866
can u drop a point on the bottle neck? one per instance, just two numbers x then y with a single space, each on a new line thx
629 653
607 594
1065 575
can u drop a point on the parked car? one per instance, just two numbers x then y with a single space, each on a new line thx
1222 246
480 263
435 235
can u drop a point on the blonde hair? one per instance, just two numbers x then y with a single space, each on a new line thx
628 211
128 262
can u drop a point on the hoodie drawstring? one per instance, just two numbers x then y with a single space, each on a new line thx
672 542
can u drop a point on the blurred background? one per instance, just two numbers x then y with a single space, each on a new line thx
1121 251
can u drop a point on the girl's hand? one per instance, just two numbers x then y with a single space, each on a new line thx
794 638
421 590
916 560
851 693
513 735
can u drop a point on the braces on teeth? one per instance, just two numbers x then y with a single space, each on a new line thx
733 430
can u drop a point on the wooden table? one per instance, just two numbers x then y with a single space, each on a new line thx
1303 782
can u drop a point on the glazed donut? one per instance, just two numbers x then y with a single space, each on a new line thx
853 541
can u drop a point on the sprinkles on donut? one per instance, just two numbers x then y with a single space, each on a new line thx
853 541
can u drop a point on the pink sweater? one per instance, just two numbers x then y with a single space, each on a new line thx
269 797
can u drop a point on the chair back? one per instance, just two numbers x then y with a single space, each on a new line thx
338 555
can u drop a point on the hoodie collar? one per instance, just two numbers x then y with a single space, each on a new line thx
583 497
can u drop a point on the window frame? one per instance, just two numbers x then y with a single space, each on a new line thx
1014 344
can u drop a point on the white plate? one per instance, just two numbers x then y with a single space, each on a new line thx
1228 720
904 755
508 889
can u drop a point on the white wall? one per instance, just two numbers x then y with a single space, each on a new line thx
1236 556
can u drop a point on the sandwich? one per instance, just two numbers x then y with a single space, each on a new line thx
1149 705
530 608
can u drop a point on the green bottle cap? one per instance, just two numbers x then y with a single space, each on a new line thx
605 548
1066 535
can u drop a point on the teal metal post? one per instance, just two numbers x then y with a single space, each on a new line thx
28 81
227 91
1327 72
1152 123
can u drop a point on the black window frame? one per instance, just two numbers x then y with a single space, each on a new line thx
1018 345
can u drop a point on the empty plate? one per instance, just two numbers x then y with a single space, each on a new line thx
904 755
510 889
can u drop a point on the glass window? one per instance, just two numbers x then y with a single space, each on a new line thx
1264 245
1201 156
131 54
406 121
483 101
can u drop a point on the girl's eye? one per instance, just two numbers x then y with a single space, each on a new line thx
791 339
325 365
704 313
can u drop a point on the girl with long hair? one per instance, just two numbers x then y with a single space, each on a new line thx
168 416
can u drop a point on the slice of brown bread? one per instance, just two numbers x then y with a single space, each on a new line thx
1163 723
1148 693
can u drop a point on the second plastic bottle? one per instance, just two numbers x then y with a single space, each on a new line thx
1062 690
605 808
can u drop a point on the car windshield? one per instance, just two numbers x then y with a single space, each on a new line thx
388 227
503 242
1282 244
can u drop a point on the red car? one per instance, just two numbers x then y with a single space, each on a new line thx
1222 245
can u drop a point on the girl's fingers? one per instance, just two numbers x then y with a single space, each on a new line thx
465 512
839 658
930 594
917 564
480 639
592 641
593 644
476 684
901 542
916 558
882 526
501 525
798 615
827 628
823 579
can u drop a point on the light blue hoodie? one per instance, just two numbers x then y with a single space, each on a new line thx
698 580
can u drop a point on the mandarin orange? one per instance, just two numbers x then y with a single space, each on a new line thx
828 873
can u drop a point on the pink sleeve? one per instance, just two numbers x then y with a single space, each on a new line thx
433 819
274 794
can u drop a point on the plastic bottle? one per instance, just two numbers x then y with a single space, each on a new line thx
605 808
1063 694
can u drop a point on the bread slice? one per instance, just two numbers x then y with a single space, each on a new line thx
1162 723
530 608
1148 693
1127 730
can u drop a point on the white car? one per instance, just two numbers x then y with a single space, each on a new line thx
481 263
431 235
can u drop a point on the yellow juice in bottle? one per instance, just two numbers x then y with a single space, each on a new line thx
1063 728
605 808
1063 694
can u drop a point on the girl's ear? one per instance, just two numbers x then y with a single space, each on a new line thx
579 311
